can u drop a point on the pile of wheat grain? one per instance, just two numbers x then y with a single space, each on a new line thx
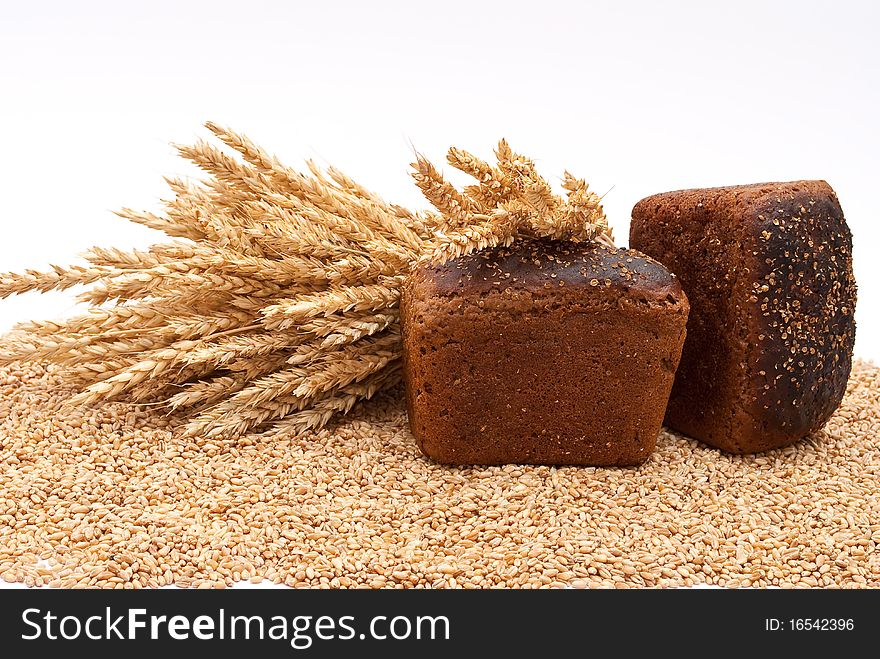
112 497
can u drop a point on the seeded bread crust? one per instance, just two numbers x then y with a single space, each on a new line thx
541 353
768 272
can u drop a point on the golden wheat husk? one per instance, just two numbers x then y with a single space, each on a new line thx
274 303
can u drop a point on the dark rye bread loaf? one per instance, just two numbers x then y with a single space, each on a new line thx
541 353
768 272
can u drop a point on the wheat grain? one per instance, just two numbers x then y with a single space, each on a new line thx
113 498
279 291
371 297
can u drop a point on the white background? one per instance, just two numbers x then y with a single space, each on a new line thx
638 98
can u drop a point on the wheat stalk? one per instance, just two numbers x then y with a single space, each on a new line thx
275 304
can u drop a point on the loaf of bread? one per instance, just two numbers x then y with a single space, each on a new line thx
768 272
541 353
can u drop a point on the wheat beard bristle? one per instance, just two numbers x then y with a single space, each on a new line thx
277 303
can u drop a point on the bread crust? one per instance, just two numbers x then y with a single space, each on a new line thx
541 353
768 271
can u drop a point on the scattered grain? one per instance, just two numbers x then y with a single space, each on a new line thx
112 497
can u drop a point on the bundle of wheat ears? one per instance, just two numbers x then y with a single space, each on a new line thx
275 307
